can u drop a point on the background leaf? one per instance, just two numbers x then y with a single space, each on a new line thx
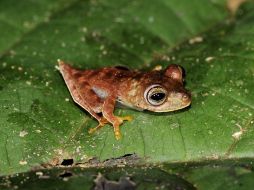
84 179
41 124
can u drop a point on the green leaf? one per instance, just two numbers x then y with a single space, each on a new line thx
211 175
39 122
15 21
79 179
221 177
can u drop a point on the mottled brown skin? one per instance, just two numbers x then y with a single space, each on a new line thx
97 91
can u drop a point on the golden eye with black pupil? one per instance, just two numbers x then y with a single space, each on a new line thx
155 95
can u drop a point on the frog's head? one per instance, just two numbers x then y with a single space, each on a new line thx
167 93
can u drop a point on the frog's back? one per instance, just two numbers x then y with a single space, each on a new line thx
98 77
107 76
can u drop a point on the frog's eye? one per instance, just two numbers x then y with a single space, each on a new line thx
155 95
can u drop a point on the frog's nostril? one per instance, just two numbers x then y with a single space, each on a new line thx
186 97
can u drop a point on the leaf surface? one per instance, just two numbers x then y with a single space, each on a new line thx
39 122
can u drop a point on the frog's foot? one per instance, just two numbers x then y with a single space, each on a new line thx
117 124
102 123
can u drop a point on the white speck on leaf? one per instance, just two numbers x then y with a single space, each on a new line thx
151 19
16 109
237 135
102 47
84 29
23 162
38 131
78 149
209 59
174 125
28 83
63 44
39 173
59 151
84 157
23 133
82 39
197 39
119 20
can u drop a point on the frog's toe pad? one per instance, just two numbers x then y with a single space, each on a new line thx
118 136
117 133
92 130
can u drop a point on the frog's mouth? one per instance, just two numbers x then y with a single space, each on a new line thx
180 105
174 107
174 102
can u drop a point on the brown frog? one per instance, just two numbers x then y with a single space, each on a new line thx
98 91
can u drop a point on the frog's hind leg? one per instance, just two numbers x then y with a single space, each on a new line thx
81 91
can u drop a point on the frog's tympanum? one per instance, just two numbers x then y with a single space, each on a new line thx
98 91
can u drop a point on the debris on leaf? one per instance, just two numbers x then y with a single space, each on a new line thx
209 59
197 39
237 135
23 162
101 183
23 133
39 173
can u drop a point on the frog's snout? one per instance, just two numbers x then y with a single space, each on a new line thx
182 99
186 98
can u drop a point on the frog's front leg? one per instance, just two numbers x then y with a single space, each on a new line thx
107 112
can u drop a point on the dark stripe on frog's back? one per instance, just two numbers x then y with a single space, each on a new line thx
137 76
107 74
111 74
82 73
85 75
151 77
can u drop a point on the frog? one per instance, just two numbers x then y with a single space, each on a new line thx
99 91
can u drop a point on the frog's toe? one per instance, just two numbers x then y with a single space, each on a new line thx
126 118
117 132
117 124
102 123
92 130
